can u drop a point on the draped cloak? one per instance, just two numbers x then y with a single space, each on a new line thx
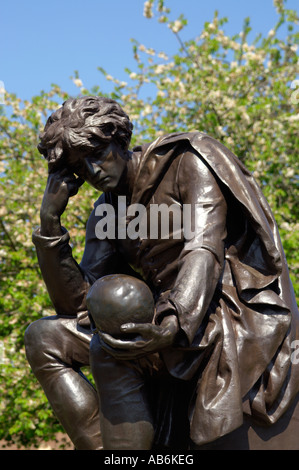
241 355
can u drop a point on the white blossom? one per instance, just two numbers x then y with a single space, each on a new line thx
290 173
147 110
211 26
177 26
150 51
160 68
295 117
78 82
148 9
162 55
204 35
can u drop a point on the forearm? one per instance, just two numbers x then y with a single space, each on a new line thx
63 278
50 226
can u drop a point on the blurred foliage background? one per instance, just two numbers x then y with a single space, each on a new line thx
244 94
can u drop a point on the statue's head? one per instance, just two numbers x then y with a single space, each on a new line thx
86 124
116 299
90 137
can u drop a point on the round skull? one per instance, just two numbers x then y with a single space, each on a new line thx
117 299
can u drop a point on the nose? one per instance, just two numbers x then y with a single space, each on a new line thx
92 167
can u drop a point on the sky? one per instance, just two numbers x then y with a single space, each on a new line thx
45 41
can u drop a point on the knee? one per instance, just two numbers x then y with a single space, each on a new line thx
31 336
35 340
31 340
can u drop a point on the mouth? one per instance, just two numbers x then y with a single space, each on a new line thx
102 180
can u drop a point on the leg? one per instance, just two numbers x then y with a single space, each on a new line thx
126 420
56 348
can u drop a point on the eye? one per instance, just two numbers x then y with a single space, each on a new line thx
95 160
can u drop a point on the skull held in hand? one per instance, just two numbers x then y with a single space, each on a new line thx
116 299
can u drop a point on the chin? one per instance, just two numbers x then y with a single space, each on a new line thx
106 187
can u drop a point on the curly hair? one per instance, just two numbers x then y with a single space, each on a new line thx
85 123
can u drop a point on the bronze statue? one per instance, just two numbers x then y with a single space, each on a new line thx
214 367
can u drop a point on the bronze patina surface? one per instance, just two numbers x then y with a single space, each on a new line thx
215 368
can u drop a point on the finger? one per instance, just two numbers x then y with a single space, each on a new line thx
74 185
114 342
105 341
64 171
144 329
61 175
52 167
57 168
117 343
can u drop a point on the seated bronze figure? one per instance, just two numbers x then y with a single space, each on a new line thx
214 368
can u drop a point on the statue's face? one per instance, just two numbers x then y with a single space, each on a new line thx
103 169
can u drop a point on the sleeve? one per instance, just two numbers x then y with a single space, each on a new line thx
68 282
201 261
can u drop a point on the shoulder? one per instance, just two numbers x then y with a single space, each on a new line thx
192 167
195 179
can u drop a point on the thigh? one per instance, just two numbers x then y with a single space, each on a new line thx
58 337
122 386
